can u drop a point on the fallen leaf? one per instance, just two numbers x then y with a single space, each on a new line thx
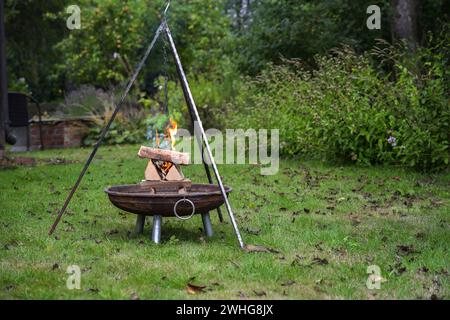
404 250
111 232
134 296
194 289
93 290
235 264
319 261
260 293
253 231
420 235
288 283
255 248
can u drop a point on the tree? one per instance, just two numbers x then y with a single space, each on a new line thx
3 85
302 29
405 21
31 35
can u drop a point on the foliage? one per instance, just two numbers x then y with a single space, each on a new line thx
422 104
129 125
302 29
110 38
87 101
210 95
209 35
351 117
122 131
115 34
31 35
349 110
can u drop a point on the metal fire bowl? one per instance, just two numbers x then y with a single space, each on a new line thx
136 198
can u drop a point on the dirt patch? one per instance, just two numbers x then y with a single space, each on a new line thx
17 161
12 162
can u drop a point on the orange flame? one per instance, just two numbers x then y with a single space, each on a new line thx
171 131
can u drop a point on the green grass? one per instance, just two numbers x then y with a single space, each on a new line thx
347 217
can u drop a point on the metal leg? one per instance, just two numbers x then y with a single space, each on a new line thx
207 224
156 231
140 221
208 173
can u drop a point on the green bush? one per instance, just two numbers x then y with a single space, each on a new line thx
211 95
120 132
348 109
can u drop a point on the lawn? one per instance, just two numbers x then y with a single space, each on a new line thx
326 224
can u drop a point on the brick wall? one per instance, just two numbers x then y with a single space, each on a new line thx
58 134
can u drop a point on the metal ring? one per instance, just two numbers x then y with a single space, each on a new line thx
183 217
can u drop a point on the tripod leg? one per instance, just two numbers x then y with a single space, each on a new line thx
140 221
156 231
207 224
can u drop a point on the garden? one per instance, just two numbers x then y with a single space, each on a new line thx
357 209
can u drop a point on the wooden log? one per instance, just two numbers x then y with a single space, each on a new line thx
151 173
174 174
164 155
161 186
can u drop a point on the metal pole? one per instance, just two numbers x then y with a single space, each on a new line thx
4 118
207 224
191 112
156 230
140 222
208 174
106 128
191 103
205 165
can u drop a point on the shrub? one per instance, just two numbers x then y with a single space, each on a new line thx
347 109
211 96
130 123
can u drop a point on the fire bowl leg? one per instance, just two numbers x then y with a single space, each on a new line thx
207 224
140 221
156 231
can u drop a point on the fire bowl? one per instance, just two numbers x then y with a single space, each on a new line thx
137 198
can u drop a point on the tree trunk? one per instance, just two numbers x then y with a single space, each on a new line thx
404 21
3 84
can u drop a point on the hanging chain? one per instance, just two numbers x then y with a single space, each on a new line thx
166 75
165 63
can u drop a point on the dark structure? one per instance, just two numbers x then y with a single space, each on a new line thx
19 116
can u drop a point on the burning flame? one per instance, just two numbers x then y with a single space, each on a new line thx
171 131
